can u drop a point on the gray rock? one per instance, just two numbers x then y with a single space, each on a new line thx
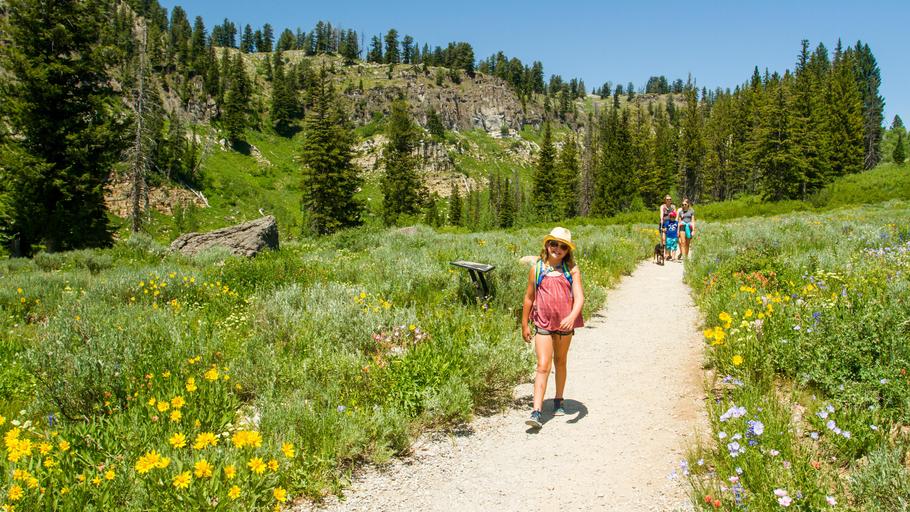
245 239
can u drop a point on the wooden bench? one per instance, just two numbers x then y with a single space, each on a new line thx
477 271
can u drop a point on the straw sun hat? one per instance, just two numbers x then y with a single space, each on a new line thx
561 235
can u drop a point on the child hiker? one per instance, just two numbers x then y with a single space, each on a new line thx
553 302
671 233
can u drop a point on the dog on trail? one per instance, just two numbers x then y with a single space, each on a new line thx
659 254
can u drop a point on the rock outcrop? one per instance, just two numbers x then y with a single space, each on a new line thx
245 239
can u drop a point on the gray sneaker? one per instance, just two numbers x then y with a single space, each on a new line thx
534 420
558 408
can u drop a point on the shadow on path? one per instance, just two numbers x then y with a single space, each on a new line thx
572 407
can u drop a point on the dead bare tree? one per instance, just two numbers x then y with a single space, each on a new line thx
143 141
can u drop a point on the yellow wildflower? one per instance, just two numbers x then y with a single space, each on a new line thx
21 474
49 463
96 480
109 474
737 360
2 420
15 493
176 415
256 465
148 462
234 493
45 448
190 385
177 440
182 481
244 438
31 482
288 450
166 374
178 402
748 313
152 402
64 445
280 494
211 374
204 440
202 469
230 472
163 406
273 465
81 477
65 490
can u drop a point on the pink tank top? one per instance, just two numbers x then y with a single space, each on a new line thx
553 302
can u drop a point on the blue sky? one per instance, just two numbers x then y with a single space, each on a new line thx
717 42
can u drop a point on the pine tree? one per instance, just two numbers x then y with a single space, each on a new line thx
545 179
285 108
455 206
772 146
198 47
845 116
407 46
268 39
869 79
586 186
248 40
402 189
691 147
392 53
568 178
65 124
375 53
803 130
507 205
237 101
434 125
330 178
898 155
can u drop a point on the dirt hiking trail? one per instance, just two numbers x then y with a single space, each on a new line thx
634 402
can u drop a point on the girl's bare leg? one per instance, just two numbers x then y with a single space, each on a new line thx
560 357
543 345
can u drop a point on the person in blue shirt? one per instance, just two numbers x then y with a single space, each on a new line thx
671 232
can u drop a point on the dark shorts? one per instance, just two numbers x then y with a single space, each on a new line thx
545 332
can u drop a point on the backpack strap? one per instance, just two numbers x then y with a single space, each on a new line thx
567 273
539 273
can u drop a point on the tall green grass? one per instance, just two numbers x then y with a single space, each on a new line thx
334 351
806 330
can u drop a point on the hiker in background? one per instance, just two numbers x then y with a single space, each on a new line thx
553 302
686 215
664 212
671 233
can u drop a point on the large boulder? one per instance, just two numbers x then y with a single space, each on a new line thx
245 239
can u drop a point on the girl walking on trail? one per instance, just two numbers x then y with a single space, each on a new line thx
553 302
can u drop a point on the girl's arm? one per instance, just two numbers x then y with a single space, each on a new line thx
693 224
578 295
530 291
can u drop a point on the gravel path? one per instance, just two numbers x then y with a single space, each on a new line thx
634 399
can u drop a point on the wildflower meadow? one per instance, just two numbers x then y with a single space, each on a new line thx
806 344
137 379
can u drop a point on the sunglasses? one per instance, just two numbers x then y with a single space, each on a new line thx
554 244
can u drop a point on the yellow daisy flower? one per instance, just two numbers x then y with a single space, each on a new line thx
182 481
